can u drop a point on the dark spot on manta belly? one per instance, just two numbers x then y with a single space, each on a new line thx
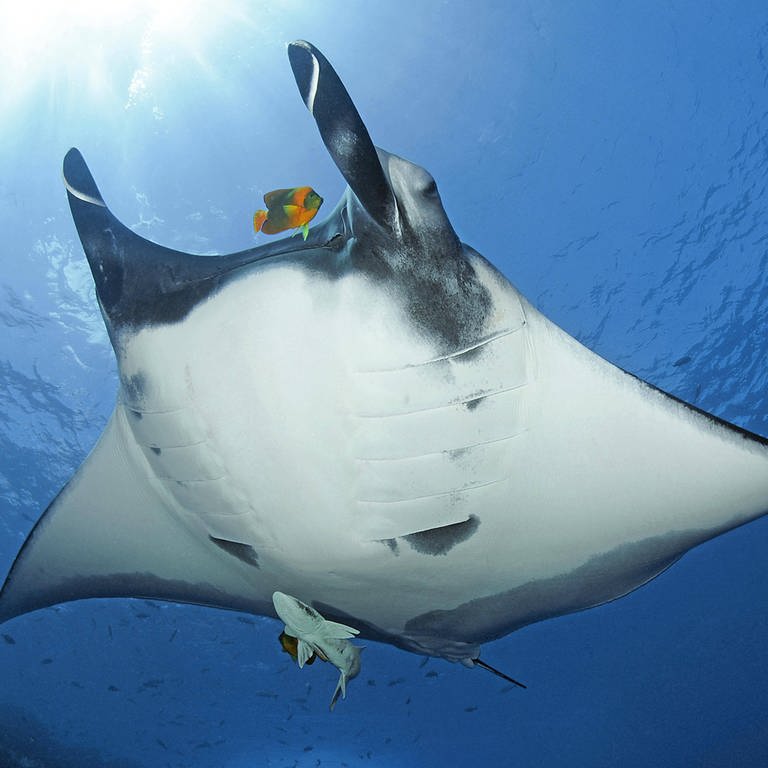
244 552
392 544
432 277
157 451
470 405
440 541
135 387
445 298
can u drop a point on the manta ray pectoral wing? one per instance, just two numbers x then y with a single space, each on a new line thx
110 533
343 131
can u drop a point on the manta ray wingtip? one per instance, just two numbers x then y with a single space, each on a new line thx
78 179
300 49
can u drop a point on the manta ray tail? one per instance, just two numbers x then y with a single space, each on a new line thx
496 672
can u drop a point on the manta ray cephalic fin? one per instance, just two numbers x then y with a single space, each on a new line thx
343 131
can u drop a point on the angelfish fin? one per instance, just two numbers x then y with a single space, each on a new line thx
258 220
304 230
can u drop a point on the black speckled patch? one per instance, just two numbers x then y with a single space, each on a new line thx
243 552
392 544
135 387
429 273
444 297
470 405
440 541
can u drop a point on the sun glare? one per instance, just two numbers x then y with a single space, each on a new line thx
80 45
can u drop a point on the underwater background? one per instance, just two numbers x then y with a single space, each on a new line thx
611 158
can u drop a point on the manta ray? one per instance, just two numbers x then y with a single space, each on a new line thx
373 421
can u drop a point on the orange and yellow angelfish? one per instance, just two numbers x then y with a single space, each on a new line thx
287 209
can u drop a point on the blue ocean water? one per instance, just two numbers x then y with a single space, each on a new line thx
610 158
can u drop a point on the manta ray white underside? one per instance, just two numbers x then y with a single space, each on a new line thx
373 421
